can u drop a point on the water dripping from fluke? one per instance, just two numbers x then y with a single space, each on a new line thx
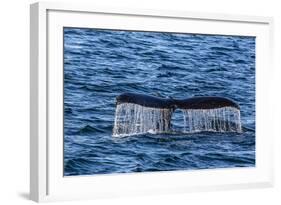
225 119
131 119
139 114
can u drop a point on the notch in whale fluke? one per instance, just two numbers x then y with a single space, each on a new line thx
189 103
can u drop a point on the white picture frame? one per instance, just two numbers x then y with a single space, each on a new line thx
47 182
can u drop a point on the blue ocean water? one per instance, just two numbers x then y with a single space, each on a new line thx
101 64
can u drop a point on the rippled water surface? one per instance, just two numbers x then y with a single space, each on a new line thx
101 64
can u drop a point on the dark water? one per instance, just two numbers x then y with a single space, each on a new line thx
101 64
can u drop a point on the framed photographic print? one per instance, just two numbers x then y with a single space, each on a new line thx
128 101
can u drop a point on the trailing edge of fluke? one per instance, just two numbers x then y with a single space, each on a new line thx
188 103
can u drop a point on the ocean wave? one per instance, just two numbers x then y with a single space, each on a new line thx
90 130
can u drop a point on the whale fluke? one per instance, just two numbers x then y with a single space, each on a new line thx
145 100
171 103
205 103
139 113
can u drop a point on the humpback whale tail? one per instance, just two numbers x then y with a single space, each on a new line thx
139 113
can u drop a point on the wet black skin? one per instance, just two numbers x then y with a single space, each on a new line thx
189 103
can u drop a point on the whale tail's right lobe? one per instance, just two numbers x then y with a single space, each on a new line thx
205 103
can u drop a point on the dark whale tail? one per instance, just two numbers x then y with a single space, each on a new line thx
205 103
145 100
138 114
189 103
